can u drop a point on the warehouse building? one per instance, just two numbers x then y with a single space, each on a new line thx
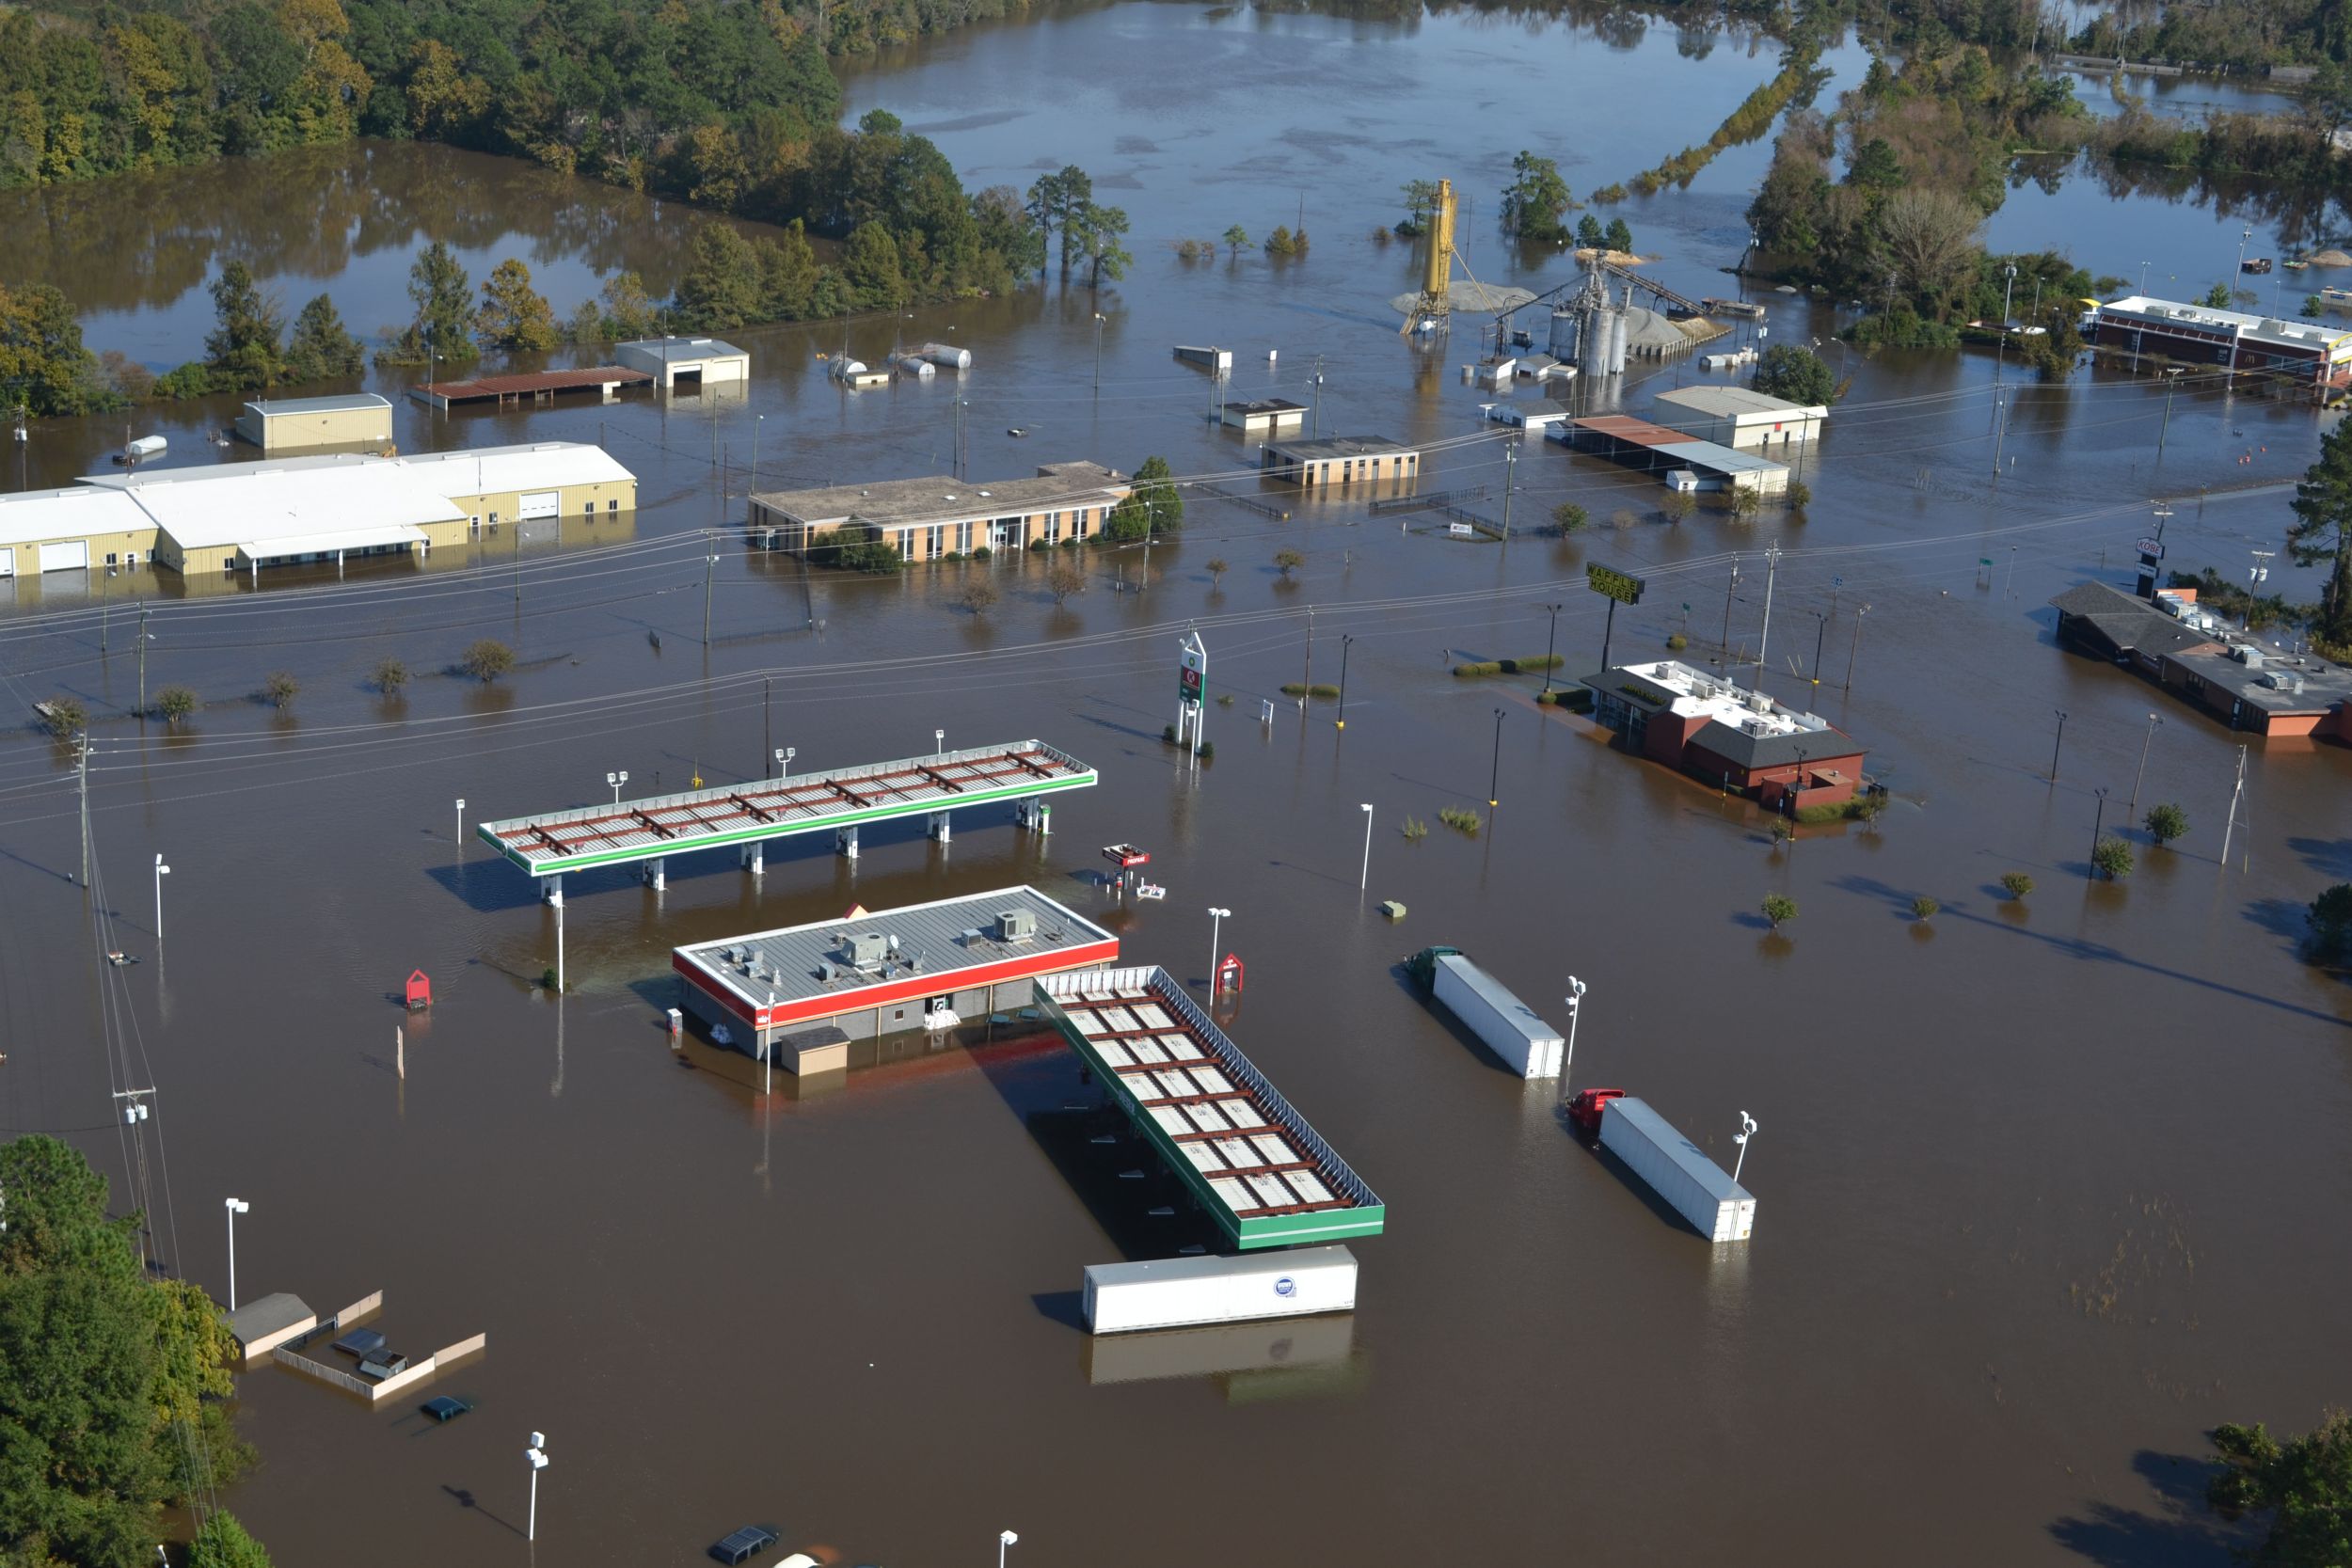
1685 462
331 508
540 388
1741 740
1739 416
1319 463
2309 352
1264 417
2200 659
937 516
351 421
686 361
805 992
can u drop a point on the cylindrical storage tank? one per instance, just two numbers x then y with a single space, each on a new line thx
948 355
1562 342
1617 328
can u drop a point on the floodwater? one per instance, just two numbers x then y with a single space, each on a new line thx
2045 1189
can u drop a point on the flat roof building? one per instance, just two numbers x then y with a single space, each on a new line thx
528 483
1536 414
1739 416
1735 739
1654 449
686 361
349 421
937 515
70 531
806 991
2199 658
1323 460
2304 351
1265 417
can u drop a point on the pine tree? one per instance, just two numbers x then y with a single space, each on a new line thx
2322 531
243 352
322 349
514 315
442 332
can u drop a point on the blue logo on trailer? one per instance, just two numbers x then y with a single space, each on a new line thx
1286 1286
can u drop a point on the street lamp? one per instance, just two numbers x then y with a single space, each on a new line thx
1747 1130
461 825
1346 639
1576 1010
2098 824
1099 320
616 781
2055 744
785 757
939 740
1551 641
536 1457
1217 921
1007 1538
237 1206
2153 720
161 872
760 422
1365 880
1494 774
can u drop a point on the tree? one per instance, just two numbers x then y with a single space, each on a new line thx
1055 202
1778 906
1618 237
1799 494
978 596
2016 884
42 363
390 674
720 289
2330 917
1535 199
64 717
280 690
1797 375
2165 823
628 310
869 264
174 703
1237 240
1927 238
221 1541
2321 533
2304 1486
2216 297
442 330
1924 907
1098 232
1677 505
1155 495
1287 561
487 659
1588 232
322 349
1280 242
514 315
2112 857
1217 568
1062 582
1421 205
1568 517
242 353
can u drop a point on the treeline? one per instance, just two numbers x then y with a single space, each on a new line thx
2244 34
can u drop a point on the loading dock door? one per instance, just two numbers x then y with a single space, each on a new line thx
541 504
8 561
65 558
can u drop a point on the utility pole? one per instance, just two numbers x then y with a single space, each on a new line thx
81 767
143 656
1855 646
2237 797
1727 588
2001 429
1771 567
1510 472
711 572
1318 397
2153 720
2009 583
1821 630
767 722
2057 744
2097 824
2171 385
1551 641
1307 681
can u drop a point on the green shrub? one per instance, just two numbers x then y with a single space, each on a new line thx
1782 832
221 1541
1568 517
2016 884
981 553
2112 857
1292 689
1461 819
1040 545
1511 666
279 689
1860 809
1287 561
1924 907
1778 906
1415 829
65 717
389 675
191 380
1678 642
487 659
174 703
2166 823
1800 494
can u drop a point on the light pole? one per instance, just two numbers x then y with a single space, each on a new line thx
1345 640
1552 642
161 872
939 743
2002 347
2143 280
1747 1130
1217 921
1365 880
710 574
1576 1008
559 947
237 1206
461 827
1007 1538
2098 825
616 781
760 422
1494 774
1855 646
536 1457
2055 744
1099 319
785 757
2153 720
779 758
2245 237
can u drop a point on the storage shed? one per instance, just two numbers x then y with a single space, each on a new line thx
686 361
348 421
1739 416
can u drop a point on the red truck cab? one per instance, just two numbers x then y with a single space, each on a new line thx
1586 1107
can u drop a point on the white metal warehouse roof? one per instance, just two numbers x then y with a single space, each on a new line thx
493 471
74 512
256 503
1740 403
340 402
686 350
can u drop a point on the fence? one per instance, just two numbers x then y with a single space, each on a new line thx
1436 498
291 1356
1248 504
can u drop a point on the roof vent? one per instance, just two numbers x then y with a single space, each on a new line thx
1015 926
866 949
825 971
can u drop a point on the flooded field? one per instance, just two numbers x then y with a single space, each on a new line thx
2045 1187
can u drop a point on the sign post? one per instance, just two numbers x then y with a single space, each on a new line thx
1617 588
1192 681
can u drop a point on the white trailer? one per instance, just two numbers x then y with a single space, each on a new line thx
1508 1026
1220 360
1679 1171
1181 1293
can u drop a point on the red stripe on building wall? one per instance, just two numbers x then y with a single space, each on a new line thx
1087 956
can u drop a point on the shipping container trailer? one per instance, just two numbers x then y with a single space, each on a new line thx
1508 1026
1185 1293
1677 1170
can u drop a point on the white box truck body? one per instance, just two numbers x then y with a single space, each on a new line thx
1508 1026
1679 1171
1180 1292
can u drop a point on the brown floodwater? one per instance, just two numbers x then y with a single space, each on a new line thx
2046 1188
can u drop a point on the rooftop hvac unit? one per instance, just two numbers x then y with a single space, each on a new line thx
2248 655
1015 926
825 971
866 949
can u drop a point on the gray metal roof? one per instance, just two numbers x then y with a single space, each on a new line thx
1339 446
340 402
259 1319
1739 402
934 939
2128 623
684 349
939 498
1681 1150
1735 745
2324 684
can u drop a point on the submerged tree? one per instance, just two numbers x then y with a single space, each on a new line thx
243 353
442 329
2321 534
514 315
1535 200
321 348
1797 375
1099 232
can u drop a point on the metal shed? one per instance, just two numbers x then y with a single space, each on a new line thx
348 420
